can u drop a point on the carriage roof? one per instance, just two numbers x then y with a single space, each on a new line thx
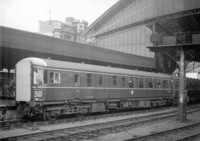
91 68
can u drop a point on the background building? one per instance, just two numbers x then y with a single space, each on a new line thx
69 30
110 31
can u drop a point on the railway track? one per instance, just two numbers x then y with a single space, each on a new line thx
185 133
18 123
96 129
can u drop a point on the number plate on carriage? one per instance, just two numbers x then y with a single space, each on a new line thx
38 94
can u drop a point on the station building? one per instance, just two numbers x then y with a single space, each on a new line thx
128 27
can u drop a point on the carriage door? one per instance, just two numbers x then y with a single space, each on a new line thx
23 81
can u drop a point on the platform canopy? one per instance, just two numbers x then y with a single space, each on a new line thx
192 51
16 45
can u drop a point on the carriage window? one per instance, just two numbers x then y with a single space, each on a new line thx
150 83
100 81
165 84
131 82
54 77
141 82
76 80
158 85
57 77
176 84
114 80
39 76
51 77
123 82
193 85
89 80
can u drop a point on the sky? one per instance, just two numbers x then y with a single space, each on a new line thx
26 14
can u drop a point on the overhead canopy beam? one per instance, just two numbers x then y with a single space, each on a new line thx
151 21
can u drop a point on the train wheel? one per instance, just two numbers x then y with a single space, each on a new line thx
48 116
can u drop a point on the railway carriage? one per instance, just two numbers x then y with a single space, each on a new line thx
56 87
6 84
193 90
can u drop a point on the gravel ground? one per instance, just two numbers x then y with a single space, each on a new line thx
148 129
151 128
40 128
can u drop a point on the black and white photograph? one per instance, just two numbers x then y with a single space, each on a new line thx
99 70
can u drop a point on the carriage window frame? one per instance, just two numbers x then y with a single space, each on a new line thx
100 81
114 80
39 76
141 82
150 83
158 83
165 84
89 80
54 77
77 80
131 82
123 82
176 84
